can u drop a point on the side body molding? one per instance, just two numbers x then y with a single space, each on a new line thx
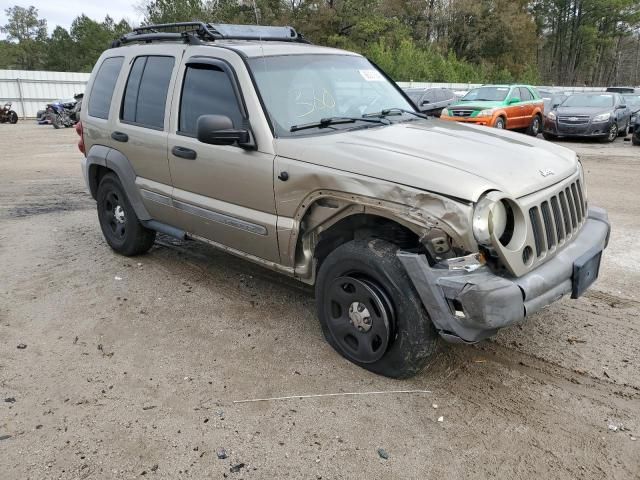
99 155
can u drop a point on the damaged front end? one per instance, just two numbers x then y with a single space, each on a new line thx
468 302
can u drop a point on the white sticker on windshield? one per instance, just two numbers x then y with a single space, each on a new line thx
371 75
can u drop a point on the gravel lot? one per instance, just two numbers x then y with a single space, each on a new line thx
132 365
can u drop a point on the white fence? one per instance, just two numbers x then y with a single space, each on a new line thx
30 91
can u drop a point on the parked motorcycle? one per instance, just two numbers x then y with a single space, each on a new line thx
59 114
8 115
63 113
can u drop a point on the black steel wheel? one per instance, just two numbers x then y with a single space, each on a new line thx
360 318
118 220
13 117
370 312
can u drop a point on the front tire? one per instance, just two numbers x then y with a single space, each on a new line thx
119 223
370 312
613 133
13 117
500 123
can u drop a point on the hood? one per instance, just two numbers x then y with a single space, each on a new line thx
449 158
591 111
473 105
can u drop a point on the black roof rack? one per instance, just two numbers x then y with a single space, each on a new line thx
196 32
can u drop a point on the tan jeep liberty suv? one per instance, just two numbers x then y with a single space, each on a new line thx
310 161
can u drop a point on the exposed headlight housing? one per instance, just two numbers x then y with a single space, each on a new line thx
493 217
603 117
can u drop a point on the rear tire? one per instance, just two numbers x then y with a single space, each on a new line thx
119 223
534 127
365 278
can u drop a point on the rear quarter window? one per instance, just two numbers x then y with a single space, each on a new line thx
103 86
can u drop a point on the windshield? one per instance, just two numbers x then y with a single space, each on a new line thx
302 89
595 100
632 101
493 94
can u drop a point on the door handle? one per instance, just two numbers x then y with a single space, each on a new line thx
120 137
185 153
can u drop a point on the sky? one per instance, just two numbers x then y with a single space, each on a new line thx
63 12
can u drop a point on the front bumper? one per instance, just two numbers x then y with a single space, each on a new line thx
469 307
473 120
593 130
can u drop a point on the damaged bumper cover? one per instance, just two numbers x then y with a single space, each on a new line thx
471 306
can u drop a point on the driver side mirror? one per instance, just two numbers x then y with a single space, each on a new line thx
620 107
514 100
219 130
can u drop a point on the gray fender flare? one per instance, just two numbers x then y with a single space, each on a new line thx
118 163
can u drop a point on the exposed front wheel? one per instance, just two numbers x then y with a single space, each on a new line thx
613 133
370 312
500 123
119 223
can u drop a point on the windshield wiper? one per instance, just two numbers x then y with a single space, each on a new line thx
393 111
327 122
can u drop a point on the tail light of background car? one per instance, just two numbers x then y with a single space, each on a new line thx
80 132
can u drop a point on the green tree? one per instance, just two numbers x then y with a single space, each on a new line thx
29 33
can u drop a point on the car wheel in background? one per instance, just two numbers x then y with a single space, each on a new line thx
635 140
370 312
500 123
613 133
534 128
118 221
13 117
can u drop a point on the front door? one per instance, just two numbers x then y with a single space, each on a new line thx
223 193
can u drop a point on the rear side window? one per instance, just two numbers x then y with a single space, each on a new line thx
145 96
103 86
207 90
525 94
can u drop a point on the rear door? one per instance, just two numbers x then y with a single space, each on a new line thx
141 125
528 105
222 193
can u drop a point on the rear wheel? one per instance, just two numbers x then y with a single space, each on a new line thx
119 223
534 127
370 312
500 123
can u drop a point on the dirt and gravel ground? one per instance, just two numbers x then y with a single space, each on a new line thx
132 365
